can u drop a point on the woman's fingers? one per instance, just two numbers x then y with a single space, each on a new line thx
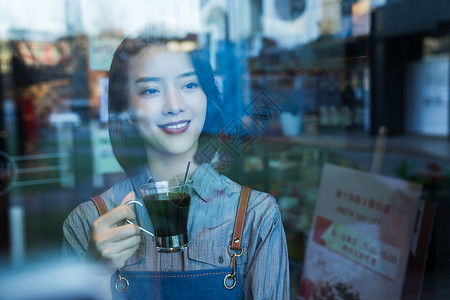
115 240
116 249
117 257
118 234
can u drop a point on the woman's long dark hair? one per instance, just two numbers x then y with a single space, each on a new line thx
126 142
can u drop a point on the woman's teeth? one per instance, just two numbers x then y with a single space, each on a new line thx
179 125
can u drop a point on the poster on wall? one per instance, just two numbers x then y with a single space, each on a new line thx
361 235
427 94
103 156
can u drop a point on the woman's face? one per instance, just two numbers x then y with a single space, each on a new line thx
167 103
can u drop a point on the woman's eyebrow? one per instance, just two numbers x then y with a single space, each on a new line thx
187 74
147 79
150 79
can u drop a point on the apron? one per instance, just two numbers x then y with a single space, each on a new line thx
219 283
200 284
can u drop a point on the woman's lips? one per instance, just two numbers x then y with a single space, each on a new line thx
175 127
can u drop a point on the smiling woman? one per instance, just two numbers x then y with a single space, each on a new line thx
160 98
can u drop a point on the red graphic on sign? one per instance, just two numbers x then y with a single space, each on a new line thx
321 226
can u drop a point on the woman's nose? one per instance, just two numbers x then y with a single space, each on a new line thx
173 103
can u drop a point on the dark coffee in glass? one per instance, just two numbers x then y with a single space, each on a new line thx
168 212
168 209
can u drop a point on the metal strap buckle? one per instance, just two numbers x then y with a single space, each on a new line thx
121 284
233 264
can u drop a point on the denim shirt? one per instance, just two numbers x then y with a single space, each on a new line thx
264 264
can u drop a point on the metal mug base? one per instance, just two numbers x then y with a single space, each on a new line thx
171 244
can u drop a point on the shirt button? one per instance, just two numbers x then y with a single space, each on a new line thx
220 259
168 269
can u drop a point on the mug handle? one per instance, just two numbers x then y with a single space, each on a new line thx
128 221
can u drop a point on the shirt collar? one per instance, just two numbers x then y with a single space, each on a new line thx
207 182
142 176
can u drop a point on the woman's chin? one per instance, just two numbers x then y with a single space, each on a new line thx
179 149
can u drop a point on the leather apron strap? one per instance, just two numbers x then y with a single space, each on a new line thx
240 218
100 204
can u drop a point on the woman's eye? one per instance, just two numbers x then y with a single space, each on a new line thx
191 85
150 91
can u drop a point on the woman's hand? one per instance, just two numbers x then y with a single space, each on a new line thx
111 241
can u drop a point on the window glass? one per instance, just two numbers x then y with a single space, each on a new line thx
338 109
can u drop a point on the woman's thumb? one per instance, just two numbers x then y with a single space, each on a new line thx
129 197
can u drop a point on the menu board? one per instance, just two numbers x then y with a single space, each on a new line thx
359 244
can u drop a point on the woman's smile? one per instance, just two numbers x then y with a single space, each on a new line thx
175 127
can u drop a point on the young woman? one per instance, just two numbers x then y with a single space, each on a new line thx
161 95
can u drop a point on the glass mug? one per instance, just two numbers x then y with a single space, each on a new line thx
167 205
